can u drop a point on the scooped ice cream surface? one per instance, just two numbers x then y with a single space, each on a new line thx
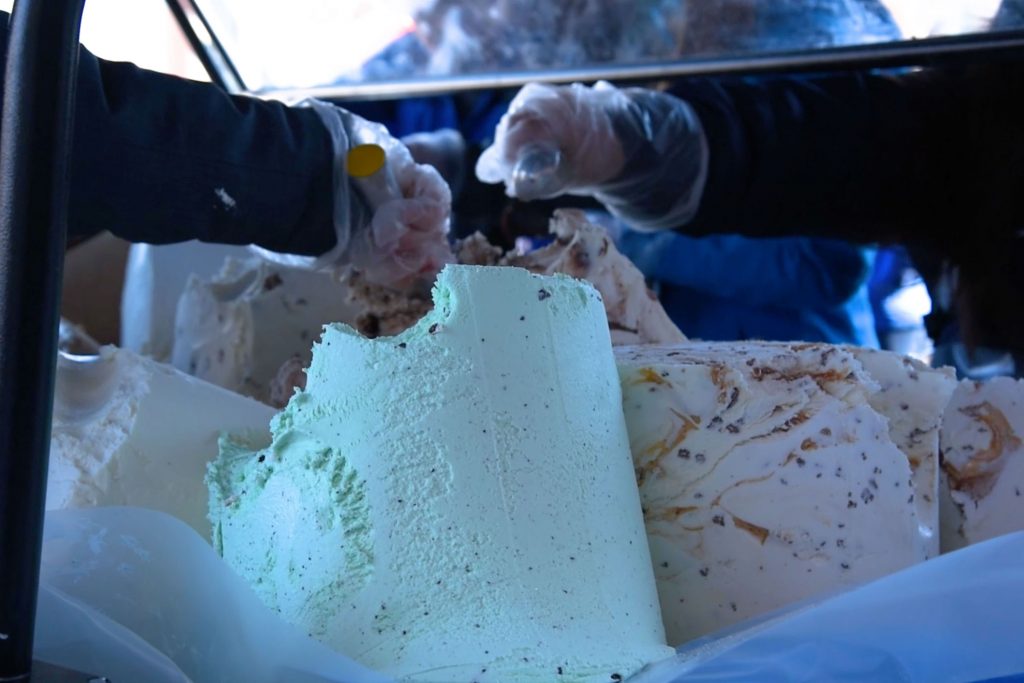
130 431
456 503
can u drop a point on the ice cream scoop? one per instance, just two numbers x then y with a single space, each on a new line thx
537 173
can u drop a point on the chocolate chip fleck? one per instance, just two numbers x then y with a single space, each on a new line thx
272 281
543 294
733 397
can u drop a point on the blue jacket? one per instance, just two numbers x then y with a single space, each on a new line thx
727 287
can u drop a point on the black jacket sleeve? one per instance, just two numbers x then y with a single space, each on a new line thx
928 157
161 159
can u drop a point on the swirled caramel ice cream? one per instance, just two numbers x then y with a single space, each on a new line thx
770 473
983 462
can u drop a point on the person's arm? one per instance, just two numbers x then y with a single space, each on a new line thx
847 154
787 272
860 156
161 159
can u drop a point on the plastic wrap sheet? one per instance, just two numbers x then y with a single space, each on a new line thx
136 595
959 617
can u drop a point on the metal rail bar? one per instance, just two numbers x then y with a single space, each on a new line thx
925 52
206 45
35 142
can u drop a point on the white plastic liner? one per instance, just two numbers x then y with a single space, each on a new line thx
136 595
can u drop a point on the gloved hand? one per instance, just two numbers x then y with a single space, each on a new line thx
393 241
641 153
407 238
445 150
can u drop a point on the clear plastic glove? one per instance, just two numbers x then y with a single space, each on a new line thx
392 240
641 153
407 238
445 150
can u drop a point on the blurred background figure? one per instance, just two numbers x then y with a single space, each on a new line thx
900 303
464 37
729 287
460 37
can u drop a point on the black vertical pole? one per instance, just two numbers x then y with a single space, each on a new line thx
35 144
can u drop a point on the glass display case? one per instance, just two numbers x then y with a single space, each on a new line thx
367 50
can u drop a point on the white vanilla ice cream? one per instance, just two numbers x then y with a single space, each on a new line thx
455 503
154 279
912 396
237 329
766 477
983 462
130 431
